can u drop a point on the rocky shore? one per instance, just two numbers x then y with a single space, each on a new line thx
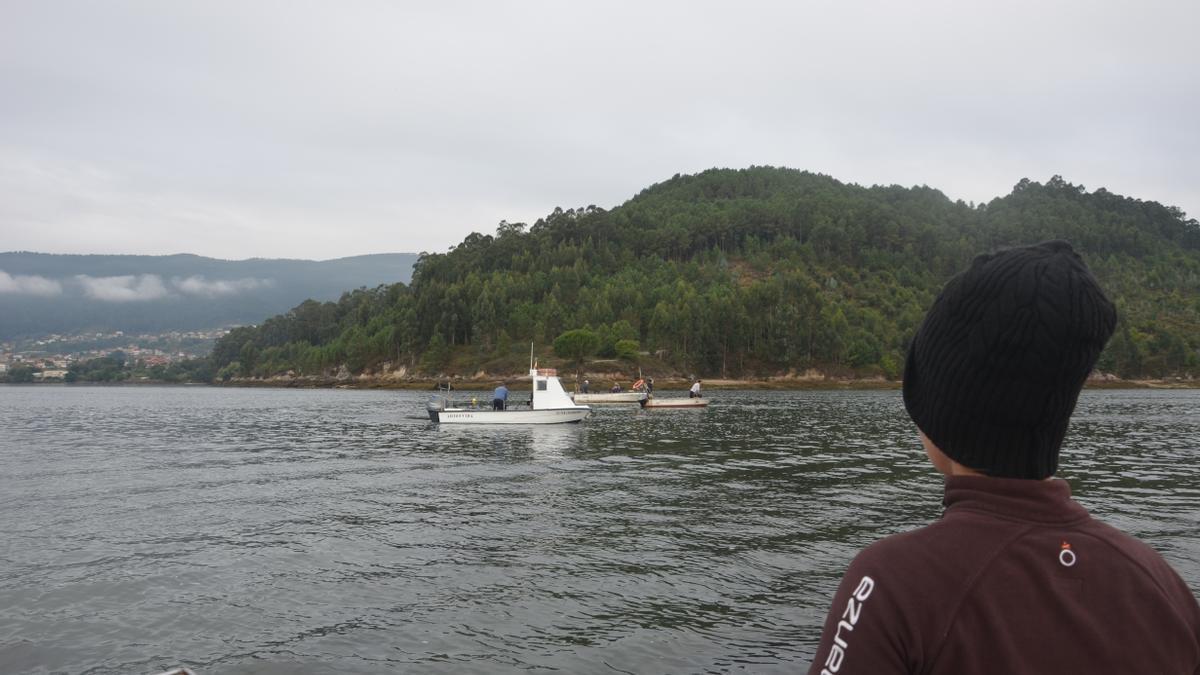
603 380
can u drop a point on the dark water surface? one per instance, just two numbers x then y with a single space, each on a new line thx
239 530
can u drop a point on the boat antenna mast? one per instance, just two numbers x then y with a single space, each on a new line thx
533 372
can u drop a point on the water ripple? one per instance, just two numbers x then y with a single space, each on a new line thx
241 531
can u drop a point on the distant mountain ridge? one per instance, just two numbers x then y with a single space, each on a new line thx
43 293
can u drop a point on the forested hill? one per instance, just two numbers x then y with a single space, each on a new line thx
748 272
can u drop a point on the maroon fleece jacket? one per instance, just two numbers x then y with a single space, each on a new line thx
1016 577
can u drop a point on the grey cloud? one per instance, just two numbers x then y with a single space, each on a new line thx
198 285
125 288
29 285
131 287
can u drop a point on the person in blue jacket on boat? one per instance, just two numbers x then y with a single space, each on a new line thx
500 397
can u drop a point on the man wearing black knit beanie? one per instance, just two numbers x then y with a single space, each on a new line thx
1015 577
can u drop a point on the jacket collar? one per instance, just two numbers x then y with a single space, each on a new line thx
1037 501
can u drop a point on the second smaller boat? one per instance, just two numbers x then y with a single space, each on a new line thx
609 397
653 402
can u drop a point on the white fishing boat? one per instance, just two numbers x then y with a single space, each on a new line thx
549 404
680 402
620 397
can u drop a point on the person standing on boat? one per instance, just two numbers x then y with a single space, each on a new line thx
584 387
500 397
694 392
649 386
1015 577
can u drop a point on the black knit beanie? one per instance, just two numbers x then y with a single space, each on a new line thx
994 371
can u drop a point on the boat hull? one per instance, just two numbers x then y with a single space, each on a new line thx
677 403
623 397
545 416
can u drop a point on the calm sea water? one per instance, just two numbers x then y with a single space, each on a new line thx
239 530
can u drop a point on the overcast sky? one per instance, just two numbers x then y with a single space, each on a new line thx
325 129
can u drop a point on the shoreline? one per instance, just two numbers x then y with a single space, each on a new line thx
665 385
811 380
709 385
808 382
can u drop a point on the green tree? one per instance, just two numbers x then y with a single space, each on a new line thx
437 355
576 345
20 374
228 371
627 350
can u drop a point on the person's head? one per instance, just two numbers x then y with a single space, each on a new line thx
994 371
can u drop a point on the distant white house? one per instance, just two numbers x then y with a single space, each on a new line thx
50 375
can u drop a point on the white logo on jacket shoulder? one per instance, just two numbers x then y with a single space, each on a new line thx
1066 556
837 651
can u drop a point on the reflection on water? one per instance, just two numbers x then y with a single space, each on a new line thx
515 442
318 531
